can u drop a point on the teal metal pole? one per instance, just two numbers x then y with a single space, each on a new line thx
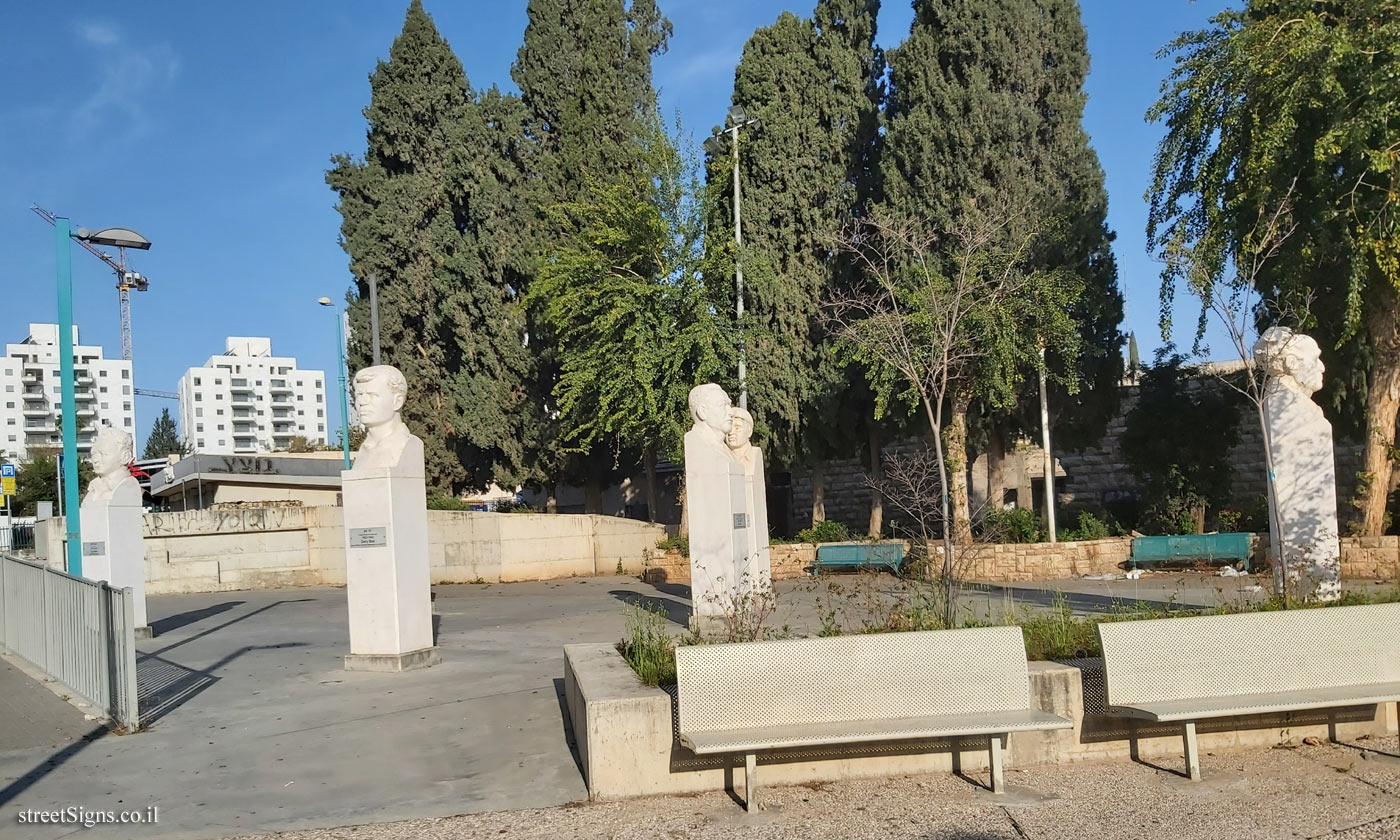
344 401
72 523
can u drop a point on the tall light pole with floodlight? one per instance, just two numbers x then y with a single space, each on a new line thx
111 237
736 119
340 357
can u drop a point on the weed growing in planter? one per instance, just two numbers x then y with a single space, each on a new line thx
647 647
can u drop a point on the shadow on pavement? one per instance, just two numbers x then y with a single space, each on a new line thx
173 622
164 686
50 764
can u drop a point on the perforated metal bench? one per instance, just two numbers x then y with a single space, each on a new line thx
1189 669
757 696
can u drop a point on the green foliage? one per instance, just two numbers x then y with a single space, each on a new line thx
37 481
826 531
512 506
1181 468
163 439
1289 105
1016 525
633 329
647 645
1088 527
439 502
679 542
432 208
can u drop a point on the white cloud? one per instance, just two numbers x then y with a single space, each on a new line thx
129 76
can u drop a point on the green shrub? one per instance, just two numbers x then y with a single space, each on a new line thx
826 531
1017 525
646 645
437 502
1090 527
680 542
512 506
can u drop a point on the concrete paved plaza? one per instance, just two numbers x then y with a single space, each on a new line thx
255 727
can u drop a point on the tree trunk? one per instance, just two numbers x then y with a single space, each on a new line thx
684 528
649 466
956 453
1382 403
996 471
593 496
818 492
877 474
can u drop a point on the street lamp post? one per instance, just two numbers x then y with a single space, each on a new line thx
340 369
736 119
119 238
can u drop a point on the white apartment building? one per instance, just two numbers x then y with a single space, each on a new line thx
248 400
31 403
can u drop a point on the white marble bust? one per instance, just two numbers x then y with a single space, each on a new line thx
710 412
737 438
380 392
111 455
1292 360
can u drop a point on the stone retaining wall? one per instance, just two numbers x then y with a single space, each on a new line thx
1371 558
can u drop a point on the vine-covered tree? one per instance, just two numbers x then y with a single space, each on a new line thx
429 210
1293 102
633 325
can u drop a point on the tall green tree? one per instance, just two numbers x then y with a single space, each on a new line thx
428 209
984 112
805 172
584 73
36 480
164 439
635 329
1292 103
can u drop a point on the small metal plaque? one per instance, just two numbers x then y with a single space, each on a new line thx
365 537
94 549
741 520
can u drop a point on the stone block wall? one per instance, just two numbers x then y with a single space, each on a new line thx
1371 558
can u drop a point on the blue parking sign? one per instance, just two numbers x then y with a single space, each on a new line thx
7 470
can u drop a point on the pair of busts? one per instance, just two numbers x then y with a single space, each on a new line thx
724 425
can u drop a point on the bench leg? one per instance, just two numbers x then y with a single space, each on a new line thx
998 781
750 782
1332 725
1193 761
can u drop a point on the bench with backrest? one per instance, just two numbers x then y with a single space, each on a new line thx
753 697
886 555
1208 548
1189 669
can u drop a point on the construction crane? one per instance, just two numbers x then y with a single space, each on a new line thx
126 280
165 395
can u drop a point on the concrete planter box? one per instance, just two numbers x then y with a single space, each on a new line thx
627 743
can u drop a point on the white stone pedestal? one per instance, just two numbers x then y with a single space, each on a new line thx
112 546
719 529
386 566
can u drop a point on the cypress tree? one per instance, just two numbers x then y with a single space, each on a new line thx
163 439
984 116
420 210
804 173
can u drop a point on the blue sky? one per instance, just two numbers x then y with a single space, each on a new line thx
208 127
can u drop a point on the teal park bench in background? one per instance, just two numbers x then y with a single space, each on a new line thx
887 555
1187 669
754 697
1231 548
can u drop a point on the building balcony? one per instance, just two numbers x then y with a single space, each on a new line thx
34 426
84 396
36 410
36 394
87 411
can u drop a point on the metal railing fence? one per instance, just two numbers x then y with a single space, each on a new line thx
80 632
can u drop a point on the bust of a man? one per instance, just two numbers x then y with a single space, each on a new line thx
740 430
111 455
709 409
1292 360
380 392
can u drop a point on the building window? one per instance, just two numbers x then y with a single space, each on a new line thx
102 373
12 438
104 406
197 397
9 405
320 412
127 421
318 398
300 398
221 427
219 411
301 413
126 406
321 427
199 427
199 442
10 422
196 380
126 389
218 396
102 389
126 374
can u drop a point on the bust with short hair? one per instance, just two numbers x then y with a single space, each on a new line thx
111 455
380 392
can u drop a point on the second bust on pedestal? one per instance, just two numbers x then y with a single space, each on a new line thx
380 392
